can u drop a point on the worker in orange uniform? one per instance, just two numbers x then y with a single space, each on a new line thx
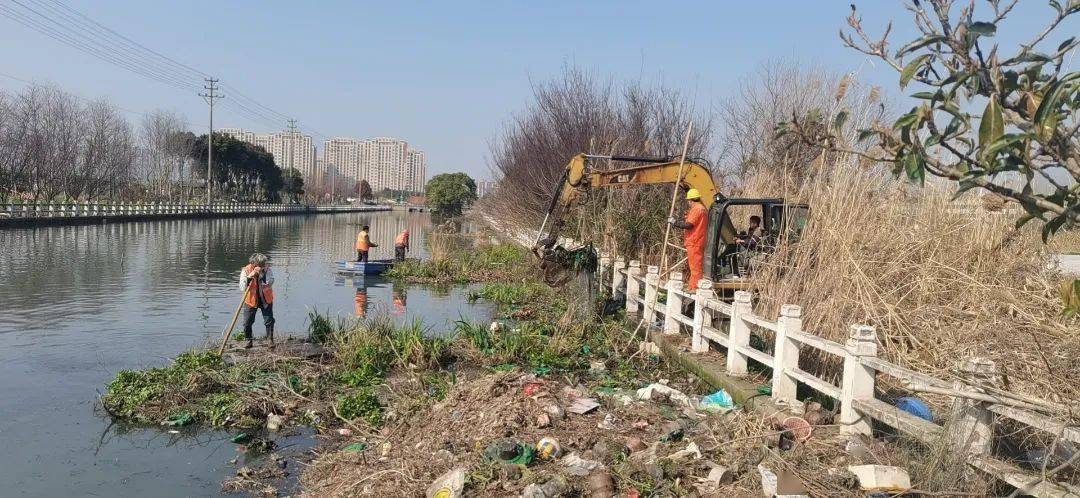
401 245
697 221
256 280
363 245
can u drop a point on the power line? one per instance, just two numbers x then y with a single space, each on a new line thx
210 96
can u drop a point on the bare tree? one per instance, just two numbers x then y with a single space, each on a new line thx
157 137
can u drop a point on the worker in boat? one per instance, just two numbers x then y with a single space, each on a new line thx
401 245
363 244
695 224
257 280
753 235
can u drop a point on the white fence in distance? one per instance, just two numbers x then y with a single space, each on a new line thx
977 405
129 209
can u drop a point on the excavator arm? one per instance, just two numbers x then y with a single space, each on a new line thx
578 179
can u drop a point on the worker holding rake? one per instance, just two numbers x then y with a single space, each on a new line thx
695 224
256 280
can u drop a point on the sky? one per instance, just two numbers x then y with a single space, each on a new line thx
445 76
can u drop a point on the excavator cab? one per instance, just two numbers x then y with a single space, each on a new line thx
727 260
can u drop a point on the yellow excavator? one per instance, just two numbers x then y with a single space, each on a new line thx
725 262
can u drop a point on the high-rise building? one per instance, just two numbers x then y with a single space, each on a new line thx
484 188
344 155
290 149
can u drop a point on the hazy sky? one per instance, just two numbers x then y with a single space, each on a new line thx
443 75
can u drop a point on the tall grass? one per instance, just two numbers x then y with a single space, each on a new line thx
941 280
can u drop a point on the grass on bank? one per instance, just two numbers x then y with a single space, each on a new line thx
482 263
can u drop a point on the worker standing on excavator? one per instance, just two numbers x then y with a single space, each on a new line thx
695 224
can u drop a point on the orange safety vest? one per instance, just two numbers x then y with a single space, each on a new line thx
250 298
402 239
362 243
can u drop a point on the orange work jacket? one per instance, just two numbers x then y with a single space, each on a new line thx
250 298
697 216
402 239
362 242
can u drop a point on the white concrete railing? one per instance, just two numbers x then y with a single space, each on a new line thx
126 209
975 409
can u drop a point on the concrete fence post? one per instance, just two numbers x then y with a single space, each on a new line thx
618 279
605 265
652 291
703 315
786 354
633 286
972 426
858 379
674 305
739 333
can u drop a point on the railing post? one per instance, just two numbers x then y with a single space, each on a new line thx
858 379
674 303
972 426
703 315
786 354
605 265
738 333
618 279
633 286
652 291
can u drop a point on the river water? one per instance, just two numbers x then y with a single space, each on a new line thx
79 303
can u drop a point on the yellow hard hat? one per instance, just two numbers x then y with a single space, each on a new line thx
692 194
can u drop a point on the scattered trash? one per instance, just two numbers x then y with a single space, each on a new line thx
578 466
640 424
787 441
634 444
274 422
496 327
355 448
582 406
719 401
179 420
649 347
659 391
673 432
784 484
720 475
556 412
799 427
691 451
597 366
510 472
509 451
448 485
553 488
548 448
344 432
608 423
174 431
881 477
532 388
543 420
914 406
384 449
241 438
600 485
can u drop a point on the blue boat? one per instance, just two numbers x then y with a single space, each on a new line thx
372 267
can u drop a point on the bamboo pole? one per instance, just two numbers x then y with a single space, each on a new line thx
674 197
228 330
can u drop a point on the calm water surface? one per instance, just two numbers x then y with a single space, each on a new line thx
79 303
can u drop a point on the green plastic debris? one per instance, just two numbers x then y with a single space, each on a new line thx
765 390
241 438
542 371
510 451
355 448
179 420
294 383
504 367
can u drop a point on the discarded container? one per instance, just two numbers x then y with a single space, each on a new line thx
781 485
915 406
881 477
578 466
448 485
720 475
657 391
548 448
509 451
799 427
241 438
719 401
179 420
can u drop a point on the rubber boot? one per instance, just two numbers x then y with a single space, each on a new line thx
270 335
249 344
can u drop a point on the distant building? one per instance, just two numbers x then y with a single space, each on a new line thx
485 187
290 149
386 163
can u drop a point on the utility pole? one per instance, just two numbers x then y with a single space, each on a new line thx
292 142
209 97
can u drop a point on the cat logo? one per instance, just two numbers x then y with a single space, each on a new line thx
621 179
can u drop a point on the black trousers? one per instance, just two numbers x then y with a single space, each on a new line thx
399 253
361 256
249 319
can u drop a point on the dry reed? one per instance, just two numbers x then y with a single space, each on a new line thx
942 280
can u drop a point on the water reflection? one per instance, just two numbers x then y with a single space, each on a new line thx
79 303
